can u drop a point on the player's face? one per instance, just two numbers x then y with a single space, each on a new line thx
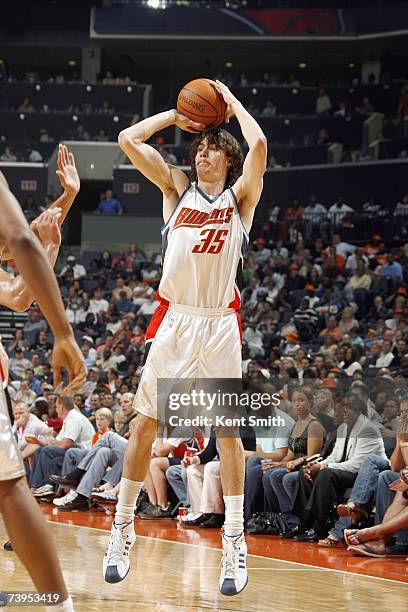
211 162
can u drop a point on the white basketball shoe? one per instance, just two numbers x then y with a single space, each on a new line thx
234 575
116 562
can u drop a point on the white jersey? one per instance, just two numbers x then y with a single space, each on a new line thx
203 244
11 463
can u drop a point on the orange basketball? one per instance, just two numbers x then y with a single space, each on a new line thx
200 101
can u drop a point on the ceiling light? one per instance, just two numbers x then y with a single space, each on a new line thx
72 62
302 65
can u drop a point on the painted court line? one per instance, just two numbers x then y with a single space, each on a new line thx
218 550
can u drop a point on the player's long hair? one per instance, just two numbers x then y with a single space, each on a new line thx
223 139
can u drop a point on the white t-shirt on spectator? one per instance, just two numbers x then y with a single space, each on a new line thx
34 427
148 308
275 437
96 306
77 428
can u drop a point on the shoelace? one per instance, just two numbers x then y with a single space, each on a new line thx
230 558
116 547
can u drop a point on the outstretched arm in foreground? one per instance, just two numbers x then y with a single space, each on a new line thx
38 275
70 183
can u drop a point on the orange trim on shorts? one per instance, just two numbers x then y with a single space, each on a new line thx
157 317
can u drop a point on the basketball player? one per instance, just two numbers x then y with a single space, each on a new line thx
24 521
195 330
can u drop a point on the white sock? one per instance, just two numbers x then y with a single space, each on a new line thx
128 494
234 515
65 606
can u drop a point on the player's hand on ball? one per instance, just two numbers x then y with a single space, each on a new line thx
229 99
67 172
186 124
46 227
67 355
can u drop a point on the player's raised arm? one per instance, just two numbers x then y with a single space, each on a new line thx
14 292
248 187
38 275
170 180
70 183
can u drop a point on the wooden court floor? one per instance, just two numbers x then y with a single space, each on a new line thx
177 570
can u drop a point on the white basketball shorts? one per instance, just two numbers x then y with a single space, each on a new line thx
11 463
188 342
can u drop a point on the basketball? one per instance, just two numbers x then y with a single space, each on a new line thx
200 101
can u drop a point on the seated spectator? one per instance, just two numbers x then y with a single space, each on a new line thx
269 111
307 321
32 155
8 155
386 358
81 134
338 211
204 486
323 138
48 459
155 482
102 136
121 286
323 102
78 270
365 109
106 260
103 463
273 163
280 480
392 268
98 304
110 205
27 424
26 106
18 364
269 445
25 394
321 484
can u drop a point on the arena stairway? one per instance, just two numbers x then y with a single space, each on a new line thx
9 322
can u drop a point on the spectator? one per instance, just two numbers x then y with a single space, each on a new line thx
32 155
338 211
321 484
98 304
323 138
8 155
102 136
18 364
27 424
77 269
323 102
81 134
26 106
76 431
110 205
269 111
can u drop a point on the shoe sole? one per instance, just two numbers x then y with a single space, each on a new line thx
358 552
236 592
111 575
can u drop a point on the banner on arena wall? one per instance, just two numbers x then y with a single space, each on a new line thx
216 22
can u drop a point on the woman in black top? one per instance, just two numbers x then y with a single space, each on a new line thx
280 481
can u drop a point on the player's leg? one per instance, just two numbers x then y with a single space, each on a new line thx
223 360
116 563
234 576
31 539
